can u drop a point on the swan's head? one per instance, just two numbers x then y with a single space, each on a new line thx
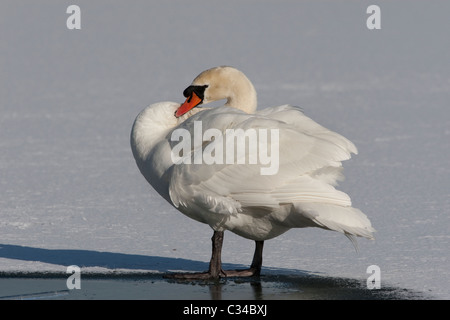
220 83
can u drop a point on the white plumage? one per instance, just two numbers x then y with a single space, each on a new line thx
237 197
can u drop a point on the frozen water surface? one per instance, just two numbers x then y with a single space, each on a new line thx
71 193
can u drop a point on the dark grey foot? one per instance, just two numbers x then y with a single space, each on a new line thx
252 272
194 276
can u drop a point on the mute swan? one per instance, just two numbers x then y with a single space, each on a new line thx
236 196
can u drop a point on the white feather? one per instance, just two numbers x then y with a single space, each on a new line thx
237 197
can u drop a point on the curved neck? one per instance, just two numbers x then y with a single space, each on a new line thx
243 97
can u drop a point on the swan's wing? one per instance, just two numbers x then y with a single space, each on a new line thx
309 164
294 116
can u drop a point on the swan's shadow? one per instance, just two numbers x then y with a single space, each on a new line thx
275 283
90 258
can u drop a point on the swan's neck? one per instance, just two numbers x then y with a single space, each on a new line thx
243 97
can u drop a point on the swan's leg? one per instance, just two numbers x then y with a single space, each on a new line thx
258 257
255 267
215 265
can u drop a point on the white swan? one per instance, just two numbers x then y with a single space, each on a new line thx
236 196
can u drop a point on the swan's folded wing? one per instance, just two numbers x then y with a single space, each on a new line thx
308 166
294 116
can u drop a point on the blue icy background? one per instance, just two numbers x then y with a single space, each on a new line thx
72 194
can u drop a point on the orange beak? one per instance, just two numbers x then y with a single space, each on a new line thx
189 104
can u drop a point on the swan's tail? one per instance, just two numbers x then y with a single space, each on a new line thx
345 219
